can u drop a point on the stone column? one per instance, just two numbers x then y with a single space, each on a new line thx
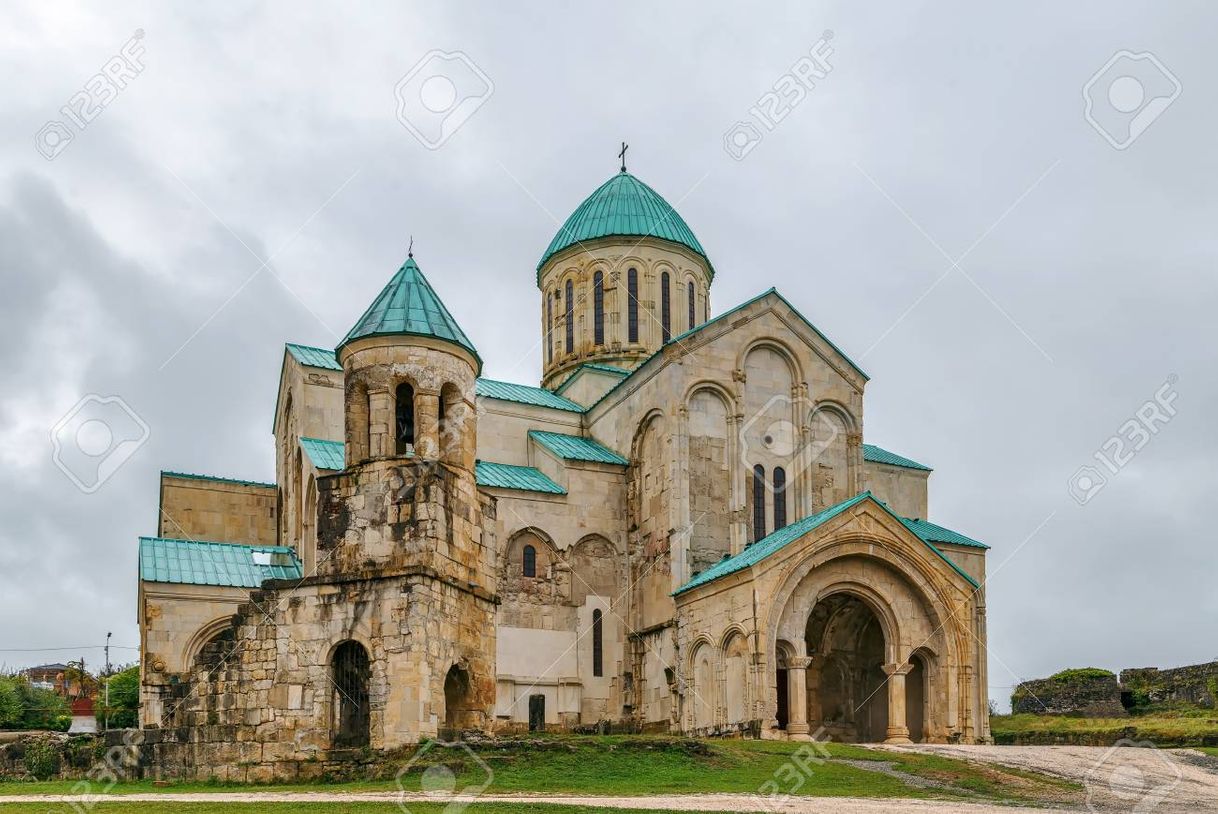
426 424
797 698
382 435
898 730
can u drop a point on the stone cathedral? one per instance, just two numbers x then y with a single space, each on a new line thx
680 530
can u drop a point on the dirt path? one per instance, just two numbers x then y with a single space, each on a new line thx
1115 779
687 802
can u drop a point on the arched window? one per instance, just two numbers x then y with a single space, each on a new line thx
689 295
349 700
529 561
665 307
550 327
404 407
598 643
570 293
758 502
598 308
780 498
632 305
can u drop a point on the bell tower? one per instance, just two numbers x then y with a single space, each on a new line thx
401 527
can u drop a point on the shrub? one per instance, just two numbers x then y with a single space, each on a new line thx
42 758
1082 674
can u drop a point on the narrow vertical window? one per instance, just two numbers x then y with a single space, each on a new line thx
758 502
529 561
598 308
665 308
404 410
598 643
780 498
632 305
570 294
550 327
689 294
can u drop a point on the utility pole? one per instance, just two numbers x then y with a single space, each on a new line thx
106 714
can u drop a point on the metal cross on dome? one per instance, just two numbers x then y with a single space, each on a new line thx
622 155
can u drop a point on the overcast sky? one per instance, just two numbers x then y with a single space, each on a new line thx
1017 279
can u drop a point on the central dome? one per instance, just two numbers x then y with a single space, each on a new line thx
624 206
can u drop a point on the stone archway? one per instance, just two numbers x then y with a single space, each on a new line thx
458 712
845 674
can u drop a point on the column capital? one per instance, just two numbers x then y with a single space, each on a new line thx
897 669
799 662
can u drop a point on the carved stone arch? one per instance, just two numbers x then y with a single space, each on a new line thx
546 551
734 629
652 416
918 578
738 692
730 399
779 347
201 637
594 565
837 408
701 697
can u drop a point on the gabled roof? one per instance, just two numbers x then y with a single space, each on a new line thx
521 478
326 455
408 306
217 479
524 394
720 318
193 562
594 367
575 448
313 357
775 542
938 534
623 206
882 456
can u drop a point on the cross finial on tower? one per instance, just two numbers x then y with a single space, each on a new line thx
622 155
410 249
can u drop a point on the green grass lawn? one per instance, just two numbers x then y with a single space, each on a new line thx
628 766
1163 728
119 807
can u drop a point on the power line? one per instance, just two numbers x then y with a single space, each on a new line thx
52 649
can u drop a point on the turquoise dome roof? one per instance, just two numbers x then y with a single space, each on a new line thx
624 206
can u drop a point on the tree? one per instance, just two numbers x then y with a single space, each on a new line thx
124 704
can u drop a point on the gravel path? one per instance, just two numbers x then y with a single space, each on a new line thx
688 802
1116 779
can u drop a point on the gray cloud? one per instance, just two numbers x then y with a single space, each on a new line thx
110 262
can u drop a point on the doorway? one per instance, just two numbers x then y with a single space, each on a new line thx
537 713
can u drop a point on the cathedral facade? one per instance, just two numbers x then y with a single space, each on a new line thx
679 530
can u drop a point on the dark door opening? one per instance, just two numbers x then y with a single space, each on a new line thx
537 713
350 702
781 676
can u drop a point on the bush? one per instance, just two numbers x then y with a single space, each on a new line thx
123 712
42 758
1082 674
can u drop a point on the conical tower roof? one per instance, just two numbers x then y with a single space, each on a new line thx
624 206
409 306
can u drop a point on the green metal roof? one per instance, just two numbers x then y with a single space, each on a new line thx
778 540
522 478
882 456
938 534
216 479
408 306
314 357
623 206
193 562
328 455
524 394
575 448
